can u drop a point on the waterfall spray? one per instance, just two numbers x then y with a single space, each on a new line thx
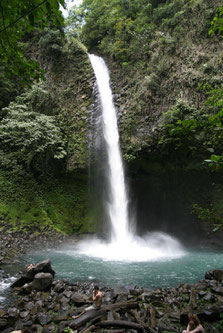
124 245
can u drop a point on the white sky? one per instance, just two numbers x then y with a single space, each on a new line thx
69 4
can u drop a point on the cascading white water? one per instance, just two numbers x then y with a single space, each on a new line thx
118 205
124 244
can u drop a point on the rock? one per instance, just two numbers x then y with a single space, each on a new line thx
62 326
59 287
29 275
3 323
50 329
135 292
79 299
122 297
27 288
8 330
24 314
215 274
208 297
3 313
45 266
29 305
12 312
64 300
60 318
42 318
218 290
42 281
37 328
28 323
21 281
209 316
67 293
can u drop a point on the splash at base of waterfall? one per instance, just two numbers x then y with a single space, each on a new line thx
153 247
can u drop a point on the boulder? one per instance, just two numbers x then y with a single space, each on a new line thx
31 271
79 299
215 274
42 281
42 318
45 266
21 281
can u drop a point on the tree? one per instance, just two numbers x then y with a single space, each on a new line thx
74 22
17 18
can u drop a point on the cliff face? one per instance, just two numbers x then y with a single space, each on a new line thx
173 60
44 157
180 59
179 65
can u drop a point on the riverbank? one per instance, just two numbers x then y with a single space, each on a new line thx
16 242
124 308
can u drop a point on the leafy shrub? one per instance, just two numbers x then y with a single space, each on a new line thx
152 81
28 139
39 100
51 45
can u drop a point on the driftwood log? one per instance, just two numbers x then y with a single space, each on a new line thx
122 324
91 314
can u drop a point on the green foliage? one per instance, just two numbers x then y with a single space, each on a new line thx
111 26
39 100
196 133
219 325
28 139
60 203
51 45
68 330
170 13
17 18
217 22
209 216
180 129
74 22
8 89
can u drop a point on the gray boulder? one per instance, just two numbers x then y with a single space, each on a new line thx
42 281
215 274
30 273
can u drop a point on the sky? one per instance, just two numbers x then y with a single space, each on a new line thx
69 4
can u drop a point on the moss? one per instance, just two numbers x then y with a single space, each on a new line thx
59 203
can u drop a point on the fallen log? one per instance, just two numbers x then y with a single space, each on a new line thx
88 329
90 314
121 305
152 316
122 324
90 324
86 317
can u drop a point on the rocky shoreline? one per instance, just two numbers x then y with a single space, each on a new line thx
16 242
46 305
124 309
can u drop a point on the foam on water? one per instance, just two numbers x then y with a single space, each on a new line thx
154 246
5 288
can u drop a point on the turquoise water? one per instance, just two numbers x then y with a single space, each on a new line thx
74 267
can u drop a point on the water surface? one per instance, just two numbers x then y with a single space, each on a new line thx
75 267
161 273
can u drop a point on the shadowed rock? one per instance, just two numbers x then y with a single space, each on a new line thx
29 274
215 274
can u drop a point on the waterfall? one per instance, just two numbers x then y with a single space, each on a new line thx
124 244
118 205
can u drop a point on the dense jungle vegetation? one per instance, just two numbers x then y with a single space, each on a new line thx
166 66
